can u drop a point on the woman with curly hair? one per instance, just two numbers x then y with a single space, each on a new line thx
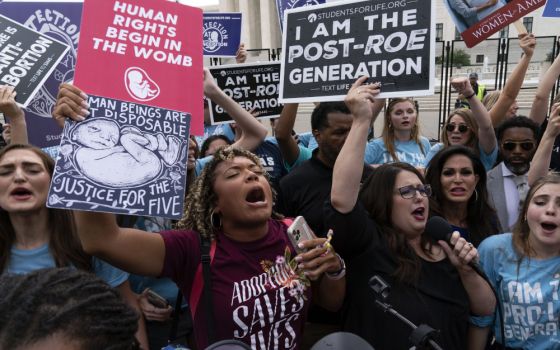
260 287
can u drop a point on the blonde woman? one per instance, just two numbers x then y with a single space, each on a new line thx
401 140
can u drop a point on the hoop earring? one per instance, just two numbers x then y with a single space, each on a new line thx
215 222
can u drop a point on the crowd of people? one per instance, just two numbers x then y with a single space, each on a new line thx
228 270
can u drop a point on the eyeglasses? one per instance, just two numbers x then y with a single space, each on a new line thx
525 145
409 191
462 128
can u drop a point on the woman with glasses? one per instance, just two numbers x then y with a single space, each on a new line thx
383 234
459 195
471 128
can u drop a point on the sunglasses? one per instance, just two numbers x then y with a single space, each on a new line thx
462 128
409 191
525 145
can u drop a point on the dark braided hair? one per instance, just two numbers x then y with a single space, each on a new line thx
71 303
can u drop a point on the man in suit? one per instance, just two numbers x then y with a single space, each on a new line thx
507 181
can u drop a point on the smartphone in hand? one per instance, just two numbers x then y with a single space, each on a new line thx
156 300
299 231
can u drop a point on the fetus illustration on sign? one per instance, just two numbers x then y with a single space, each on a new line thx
139 85
121 157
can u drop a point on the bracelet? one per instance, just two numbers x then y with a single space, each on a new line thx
340 273
470 96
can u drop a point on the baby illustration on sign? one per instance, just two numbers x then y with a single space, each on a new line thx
121 158
139 85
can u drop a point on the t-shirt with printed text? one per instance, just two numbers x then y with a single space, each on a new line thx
258 297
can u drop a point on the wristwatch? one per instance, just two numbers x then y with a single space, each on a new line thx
340 273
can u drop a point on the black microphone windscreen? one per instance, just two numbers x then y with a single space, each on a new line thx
438 228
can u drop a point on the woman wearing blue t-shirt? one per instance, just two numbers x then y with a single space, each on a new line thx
523 266
33 236
401 140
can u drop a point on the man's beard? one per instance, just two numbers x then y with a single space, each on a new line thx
517 169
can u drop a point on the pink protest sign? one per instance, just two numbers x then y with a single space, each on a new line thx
143 51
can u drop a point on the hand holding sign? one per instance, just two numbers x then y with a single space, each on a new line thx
209 83
8 105
527 42
360 98
241 55
70 103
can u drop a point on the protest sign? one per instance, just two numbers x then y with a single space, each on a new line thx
144 51
283 5
125 158
552 8
477 20
221 34
27 58
58 21
251 85
327 47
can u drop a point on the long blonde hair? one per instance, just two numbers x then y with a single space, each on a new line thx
388 134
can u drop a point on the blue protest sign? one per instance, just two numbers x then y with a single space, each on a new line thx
283 5
552 8
221 34
126 158
60 21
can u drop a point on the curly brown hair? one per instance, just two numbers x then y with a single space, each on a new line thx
201 200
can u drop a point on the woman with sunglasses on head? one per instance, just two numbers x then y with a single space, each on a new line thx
471 128
401 140
459 195
379 229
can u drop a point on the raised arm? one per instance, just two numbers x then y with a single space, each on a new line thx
541 160
540 102
486 135
17 128
253 132
348 167
513 84
283 132
132 250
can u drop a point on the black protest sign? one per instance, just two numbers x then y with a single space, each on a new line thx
126 158
27 58
327 47
253 86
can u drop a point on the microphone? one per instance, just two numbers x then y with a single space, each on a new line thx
440 230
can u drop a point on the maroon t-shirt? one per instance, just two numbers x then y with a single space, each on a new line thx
258 298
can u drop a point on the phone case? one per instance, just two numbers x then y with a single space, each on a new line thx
299 231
